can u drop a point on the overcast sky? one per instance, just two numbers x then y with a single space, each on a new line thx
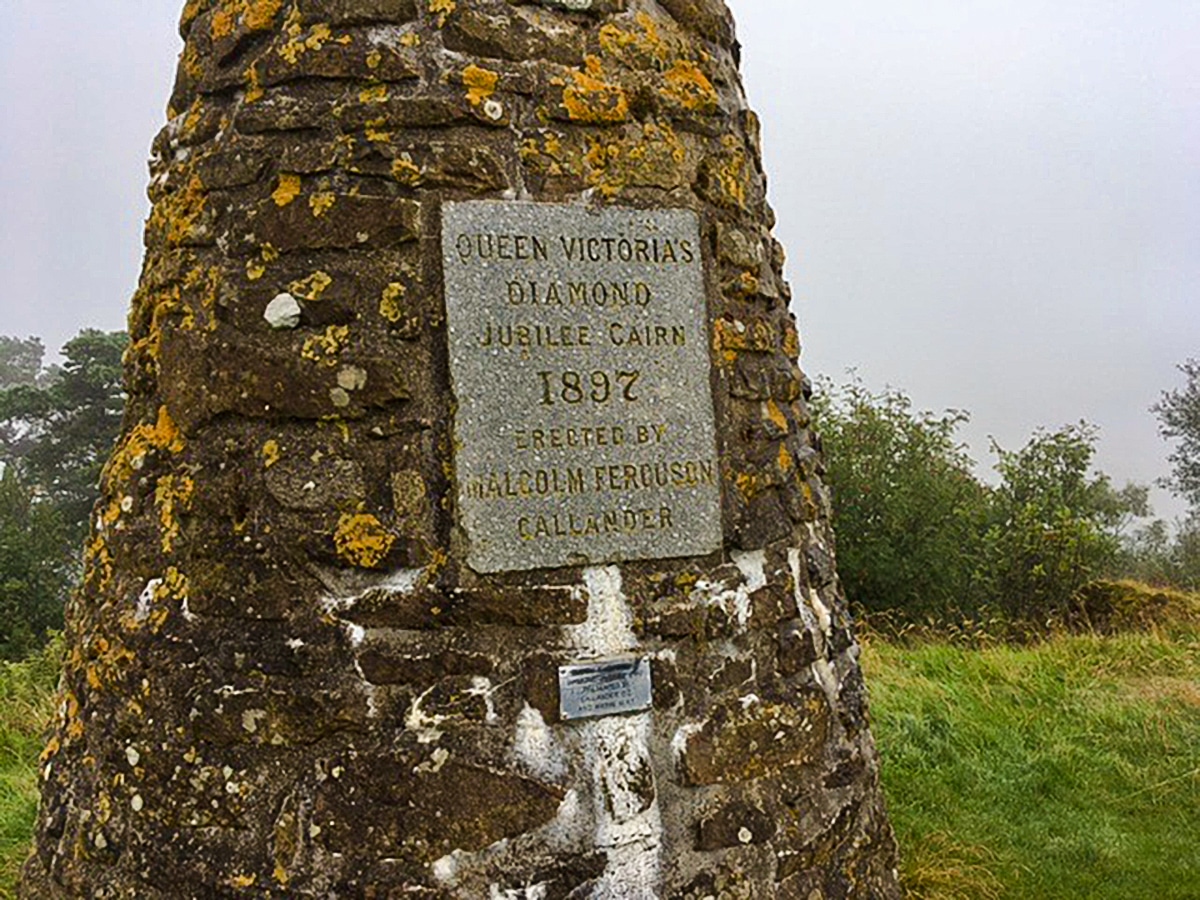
992 204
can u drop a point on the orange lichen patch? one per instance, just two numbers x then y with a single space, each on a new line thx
689 87
97 565
271 453
651 156
254 88
728 339
172 495
751 484
638 48
786 461
480 83
591 100
377 93
130 454
288 189
312 287
321 203
442 9
253 15
362 541
108 660
323 348
775 416
390 302
406 171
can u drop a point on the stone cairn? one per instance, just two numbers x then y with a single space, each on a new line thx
466 535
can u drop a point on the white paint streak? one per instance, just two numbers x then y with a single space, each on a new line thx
628 825
535 747
608 630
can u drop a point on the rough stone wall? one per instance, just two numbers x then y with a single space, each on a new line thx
282 679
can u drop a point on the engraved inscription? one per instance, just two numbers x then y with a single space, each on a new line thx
605 688
579 358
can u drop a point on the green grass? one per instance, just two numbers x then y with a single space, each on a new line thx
1068 769
25 708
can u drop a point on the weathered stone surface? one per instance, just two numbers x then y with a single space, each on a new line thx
289 672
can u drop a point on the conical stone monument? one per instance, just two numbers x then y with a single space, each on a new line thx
466 535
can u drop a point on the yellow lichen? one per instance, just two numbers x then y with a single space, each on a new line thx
171 496
177 215
300 43
374 58
731 173
480 83
321 203
405 170
288 189
688 86
323 348
131 452
254 88
312 287
377 93
410 39
271 453
257 268
389 303
442 9
242 881
591 100
362 540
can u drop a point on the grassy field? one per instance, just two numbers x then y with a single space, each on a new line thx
25 707
1068 769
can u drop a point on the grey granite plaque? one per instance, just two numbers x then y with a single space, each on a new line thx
607 688
580 364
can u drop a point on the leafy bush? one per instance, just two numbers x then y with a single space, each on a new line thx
922 538
908 510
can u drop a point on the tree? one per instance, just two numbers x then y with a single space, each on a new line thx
1055 524
36 567
1178 414
907 509
20 360
63 428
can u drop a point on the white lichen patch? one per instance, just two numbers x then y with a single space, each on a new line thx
424 725
283 312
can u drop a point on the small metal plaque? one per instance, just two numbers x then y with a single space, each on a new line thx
607 688
579 357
